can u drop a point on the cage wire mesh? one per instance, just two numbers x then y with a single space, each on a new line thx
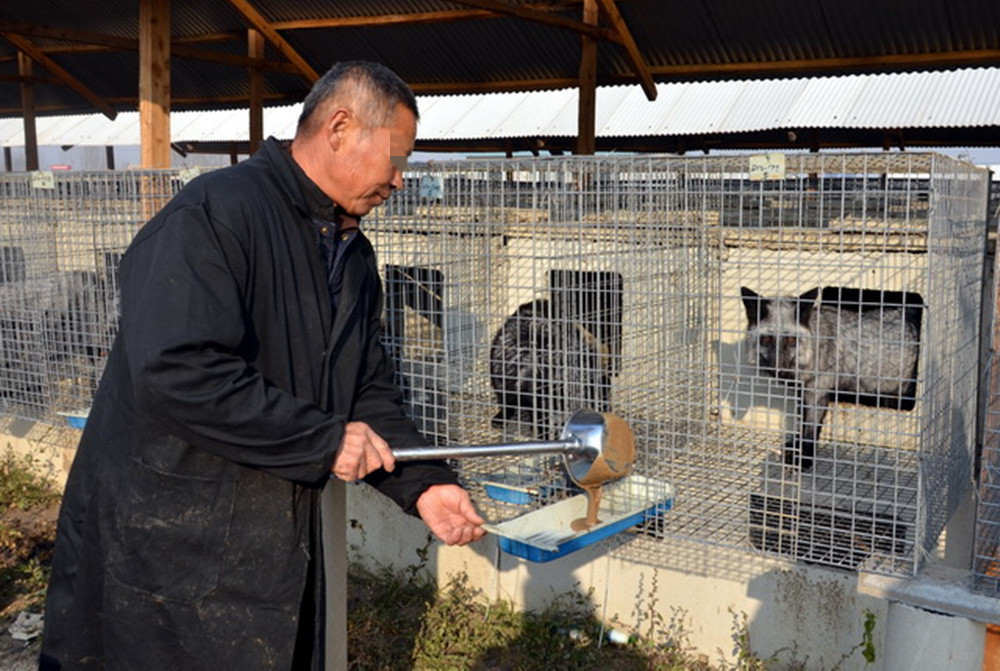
834 426
61 238
986 562
520 290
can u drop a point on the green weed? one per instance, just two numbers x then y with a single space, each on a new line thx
27 533
20 485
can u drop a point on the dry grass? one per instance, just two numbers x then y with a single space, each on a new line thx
28 509
401 622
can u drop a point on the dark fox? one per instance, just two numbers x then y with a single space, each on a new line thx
851 346
542 368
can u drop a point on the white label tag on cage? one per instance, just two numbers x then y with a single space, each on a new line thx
43 179
767 166
187 174
431 187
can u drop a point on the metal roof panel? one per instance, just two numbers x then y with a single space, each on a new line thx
954 99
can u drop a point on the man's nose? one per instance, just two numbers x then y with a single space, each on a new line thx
397 179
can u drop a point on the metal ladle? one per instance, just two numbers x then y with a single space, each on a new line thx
596 447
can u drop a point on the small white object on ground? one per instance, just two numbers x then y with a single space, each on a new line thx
27 626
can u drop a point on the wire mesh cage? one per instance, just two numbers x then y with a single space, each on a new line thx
793 339
61 238
986 564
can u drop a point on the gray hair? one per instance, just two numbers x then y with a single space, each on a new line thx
370 90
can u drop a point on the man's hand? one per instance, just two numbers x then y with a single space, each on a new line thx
447 510
361 451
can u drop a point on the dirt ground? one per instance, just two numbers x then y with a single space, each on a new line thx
24 535
16 655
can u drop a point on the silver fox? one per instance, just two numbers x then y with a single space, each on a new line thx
542 367
863 349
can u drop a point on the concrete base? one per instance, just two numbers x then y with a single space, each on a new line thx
919 640
711 599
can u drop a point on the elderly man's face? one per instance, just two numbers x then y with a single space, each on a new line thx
370 162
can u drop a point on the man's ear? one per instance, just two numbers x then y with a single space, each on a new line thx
336 126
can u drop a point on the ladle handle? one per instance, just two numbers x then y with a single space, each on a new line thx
566 445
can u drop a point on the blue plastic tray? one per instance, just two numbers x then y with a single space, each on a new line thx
76 419
521 483
507 493
545 534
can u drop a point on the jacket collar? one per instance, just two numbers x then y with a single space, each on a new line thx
321 206
310 199
273 151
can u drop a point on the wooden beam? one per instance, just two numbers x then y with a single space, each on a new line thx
445 88
829 66
66 78
67 34
834 66
24 68
680 73
209 38
190 53
255 50
56 50
416 18
33 79
182 50
154 83
257 21
587 102
202 101
553 20
93 41
631 48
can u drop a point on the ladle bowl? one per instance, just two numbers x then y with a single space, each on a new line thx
596 447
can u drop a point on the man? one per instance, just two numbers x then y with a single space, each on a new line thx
247 369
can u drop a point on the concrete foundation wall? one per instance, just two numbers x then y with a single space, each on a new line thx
797 616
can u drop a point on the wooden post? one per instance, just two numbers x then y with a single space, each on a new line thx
25 69
255 49
586 142
154 83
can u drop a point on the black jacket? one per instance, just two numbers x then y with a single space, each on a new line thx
191 510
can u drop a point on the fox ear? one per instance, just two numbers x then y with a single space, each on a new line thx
805 304
810 295
755 306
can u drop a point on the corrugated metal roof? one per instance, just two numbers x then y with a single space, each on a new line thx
473 55
963 98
